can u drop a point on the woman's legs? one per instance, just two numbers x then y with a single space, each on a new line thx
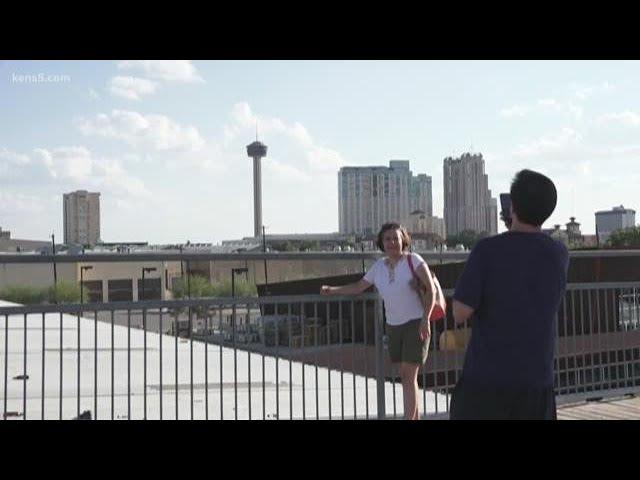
409 378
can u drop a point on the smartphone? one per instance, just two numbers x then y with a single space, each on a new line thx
505 205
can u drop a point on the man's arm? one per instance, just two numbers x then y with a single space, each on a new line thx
351 289
461 312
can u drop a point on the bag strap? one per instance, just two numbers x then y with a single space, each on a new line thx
413 272
438 290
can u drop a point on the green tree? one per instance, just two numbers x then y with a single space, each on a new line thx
201 288
242 288
625 238
196 286
24 294
65 292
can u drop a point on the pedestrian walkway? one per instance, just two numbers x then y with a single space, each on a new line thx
624 408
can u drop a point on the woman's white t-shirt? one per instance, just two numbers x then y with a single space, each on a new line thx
402 303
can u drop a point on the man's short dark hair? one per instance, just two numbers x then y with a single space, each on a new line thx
533 197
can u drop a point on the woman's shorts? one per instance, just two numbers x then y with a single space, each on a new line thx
405 344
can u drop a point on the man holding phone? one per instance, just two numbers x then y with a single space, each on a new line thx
511 289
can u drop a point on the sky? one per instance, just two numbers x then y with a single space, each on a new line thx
164 142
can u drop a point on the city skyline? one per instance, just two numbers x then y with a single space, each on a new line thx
164 142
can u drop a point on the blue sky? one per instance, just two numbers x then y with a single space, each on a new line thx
164 142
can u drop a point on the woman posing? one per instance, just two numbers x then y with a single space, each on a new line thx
407 313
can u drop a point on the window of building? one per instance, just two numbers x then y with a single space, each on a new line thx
120 290
151 289
92 291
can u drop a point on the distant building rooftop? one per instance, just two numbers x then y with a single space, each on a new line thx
619 209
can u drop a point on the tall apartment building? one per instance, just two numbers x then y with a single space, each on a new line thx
468 204
421 196
608 221
81 217
371 196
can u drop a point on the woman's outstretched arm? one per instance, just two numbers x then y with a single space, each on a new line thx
351 289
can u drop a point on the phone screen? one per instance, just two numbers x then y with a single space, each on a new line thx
505 204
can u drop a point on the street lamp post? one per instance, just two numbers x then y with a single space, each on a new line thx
264 250
82 270
233 315
55 271
144 328
188 279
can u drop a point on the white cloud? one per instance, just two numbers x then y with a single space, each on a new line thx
560 107
543 105
117 180
627 118
325 160
146 131
318 158
8 157
547 144
66 162
132 88
243 116
136 158
515 111
583 93
93 94
72 167
285 171
167 70
16 204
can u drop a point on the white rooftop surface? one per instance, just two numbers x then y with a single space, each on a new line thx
287 385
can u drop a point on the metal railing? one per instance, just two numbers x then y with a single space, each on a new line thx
294 357
429 256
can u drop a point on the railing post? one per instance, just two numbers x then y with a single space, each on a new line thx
379 344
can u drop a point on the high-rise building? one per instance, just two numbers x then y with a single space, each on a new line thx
421 194
81 217
608 221
371 196
468 204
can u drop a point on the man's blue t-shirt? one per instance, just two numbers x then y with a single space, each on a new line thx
515 282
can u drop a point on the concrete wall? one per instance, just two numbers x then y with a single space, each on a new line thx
35 274
41 274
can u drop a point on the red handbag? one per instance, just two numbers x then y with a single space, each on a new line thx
440 308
